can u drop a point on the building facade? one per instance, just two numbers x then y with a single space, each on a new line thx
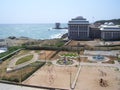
94 32
110 32
78 29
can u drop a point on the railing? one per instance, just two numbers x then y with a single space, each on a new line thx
12 53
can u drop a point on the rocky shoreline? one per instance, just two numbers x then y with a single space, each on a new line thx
18 41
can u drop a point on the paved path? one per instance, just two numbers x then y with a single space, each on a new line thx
12 65
116 65
76 78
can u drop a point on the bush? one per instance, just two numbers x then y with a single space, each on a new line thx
13 77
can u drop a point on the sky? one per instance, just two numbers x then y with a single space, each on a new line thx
51 11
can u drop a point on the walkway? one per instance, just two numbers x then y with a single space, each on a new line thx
12 65
76 78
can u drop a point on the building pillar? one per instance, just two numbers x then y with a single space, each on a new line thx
88 32
112 35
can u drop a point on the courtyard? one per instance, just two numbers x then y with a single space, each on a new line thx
53 74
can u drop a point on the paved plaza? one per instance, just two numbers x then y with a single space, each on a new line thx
104 53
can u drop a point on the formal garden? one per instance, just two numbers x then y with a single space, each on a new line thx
22 73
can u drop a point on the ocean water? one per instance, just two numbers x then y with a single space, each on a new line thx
34 31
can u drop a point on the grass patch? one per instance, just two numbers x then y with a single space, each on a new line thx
69 55
24 59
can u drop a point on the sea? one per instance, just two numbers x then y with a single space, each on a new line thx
34 31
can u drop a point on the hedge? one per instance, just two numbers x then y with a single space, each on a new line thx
15 79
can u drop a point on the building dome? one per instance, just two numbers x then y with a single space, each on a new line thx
79 18
106 23
110 23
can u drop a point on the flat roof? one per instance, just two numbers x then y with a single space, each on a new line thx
109 28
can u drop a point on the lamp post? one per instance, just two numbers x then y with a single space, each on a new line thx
78 52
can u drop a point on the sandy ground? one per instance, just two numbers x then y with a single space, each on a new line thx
89 78
93 43
90 43
46 54
53 76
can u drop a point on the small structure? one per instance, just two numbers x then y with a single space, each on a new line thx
57 26
98 57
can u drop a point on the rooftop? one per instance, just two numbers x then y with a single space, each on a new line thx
78 20
109 27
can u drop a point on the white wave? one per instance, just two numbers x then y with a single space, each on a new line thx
56 36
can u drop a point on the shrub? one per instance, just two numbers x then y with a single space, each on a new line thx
13 77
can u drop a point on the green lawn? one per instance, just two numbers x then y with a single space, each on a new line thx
69 55
24 59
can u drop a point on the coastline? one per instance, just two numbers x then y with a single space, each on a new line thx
34 31
18 41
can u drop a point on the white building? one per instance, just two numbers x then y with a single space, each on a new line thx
78 28
109 31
